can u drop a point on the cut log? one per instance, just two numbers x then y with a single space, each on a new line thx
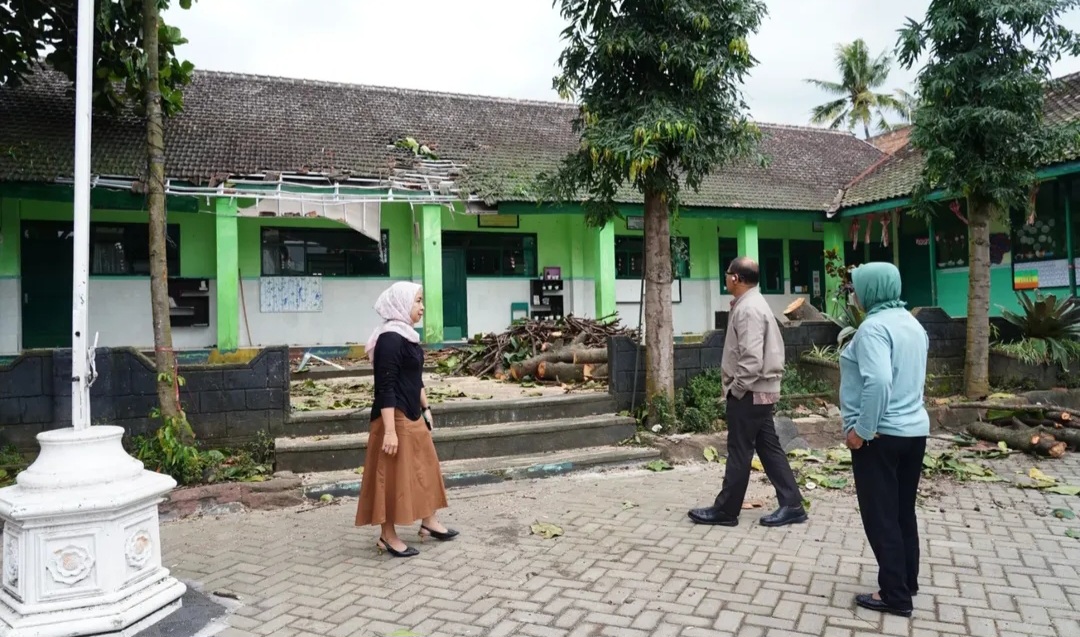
561 372
1071 437
597 371
1024 439
801 310
1046 445
530 366
590 356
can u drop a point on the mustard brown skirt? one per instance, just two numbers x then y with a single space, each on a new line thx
405 487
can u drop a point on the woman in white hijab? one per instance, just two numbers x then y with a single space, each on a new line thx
402 481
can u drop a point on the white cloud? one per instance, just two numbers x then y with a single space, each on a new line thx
510 48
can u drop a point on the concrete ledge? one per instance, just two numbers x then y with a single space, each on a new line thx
457 414
465 473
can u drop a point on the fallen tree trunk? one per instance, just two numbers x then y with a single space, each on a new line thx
1071 437
1072 414
801 310
590 356
530 366
561 372
592 372
1022 438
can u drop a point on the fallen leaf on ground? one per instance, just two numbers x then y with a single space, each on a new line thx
326 497
546 530
658 465
711 454
1073 533
1064 514
756 465
755 504
628 505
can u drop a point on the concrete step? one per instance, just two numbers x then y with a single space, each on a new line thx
465 473
346 451
458 414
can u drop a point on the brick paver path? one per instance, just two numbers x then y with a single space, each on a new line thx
995 563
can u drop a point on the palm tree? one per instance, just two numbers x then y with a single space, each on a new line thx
857 102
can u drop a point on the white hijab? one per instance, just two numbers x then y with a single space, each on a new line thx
394 306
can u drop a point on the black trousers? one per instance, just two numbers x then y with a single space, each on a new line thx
887 471
751 428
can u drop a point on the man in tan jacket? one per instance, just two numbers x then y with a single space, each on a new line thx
752 367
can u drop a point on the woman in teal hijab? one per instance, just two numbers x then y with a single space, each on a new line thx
882 374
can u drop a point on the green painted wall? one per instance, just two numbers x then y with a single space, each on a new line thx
554 234
197 251
9 238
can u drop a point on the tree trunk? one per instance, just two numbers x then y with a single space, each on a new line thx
977 361
1021 439
164 357
597 355
561 372
659 331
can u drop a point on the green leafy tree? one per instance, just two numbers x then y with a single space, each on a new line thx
659 87
857 102
980 124
135 67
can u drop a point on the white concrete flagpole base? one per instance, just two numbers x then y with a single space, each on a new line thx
82 543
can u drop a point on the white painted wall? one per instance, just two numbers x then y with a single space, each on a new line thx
701 299
348 316
10 319
120 313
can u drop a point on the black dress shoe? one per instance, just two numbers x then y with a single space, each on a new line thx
868 602
713 516
784 516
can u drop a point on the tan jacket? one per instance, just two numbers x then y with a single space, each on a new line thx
753 348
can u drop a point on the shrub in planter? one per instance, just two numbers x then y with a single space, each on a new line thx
1049 340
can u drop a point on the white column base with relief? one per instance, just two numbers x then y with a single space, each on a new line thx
81 546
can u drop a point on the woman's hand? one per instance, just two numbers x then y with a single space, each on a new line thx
428 417
390 444
854 441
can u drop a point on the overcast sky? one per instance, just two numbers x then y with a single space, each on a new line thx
509 48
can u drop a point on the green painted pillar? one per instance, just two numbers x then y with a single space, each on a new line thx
1070 250
431 271
834 240
227 244
605 270
747 237
9 237
933 261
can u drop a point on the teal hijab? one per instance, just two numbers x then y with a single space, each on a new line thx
877 285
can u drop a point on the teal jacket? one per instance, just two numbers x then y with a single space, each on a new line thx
883 369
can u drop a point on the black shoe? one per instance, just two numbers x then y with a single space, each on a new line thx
449 534
784 516
383 545
868 602
713 516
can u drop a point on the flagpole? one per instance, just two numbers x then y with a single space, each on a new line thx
80 360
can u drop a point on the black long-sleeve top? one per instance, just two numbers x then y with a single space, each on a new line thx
399 376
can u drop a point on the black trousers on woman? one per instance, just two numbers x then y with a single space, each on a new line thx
887 471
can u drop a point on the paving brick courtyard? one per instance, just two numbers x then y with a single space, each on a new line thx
995 563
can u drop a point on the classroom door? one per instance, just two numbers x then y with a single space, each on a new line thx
48 255
455 295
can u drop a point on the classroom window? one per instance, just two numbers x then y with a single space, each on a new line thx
1045 239
950 237
496 254
324 252
771 265
630 257
123 249
804 259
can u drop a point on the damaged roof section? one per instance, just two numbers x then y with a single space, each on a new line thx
245 125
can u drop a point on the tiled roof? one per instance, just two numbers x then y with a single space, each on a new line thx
891 141
898 176
242 124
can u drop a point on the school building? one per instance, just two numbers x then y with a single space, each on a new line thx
293 203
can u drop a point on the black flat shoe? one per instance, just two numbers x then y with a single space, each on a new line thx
449 534
711 516
784 516
383 545
868 602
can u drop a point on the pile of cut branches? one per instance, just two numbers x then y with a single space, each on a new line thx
1042 430
570 350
